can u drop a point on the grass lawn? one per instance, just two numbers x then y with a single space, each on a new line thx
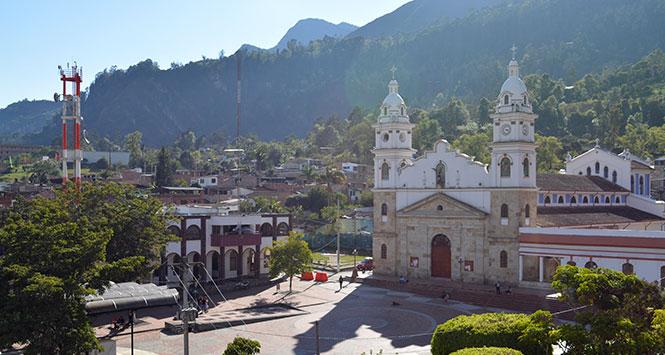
332 258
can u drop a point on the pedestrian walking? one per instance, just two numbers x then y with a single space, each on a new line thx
277 287
509 291
445 297
206 306
497 285
341 282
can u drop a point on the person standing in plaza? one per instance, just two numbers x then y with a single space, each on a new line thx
341 282
497 285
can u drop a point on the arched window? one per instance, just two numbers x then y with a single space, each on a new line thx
266 229
283 229
617 200
384 209
573 200
548 200
662 276
385 171
439 208
193 232
385 110
173 230
505 167
585 200
588 171
527 211
525 167
233 260
641 185
614 176
571 263
596 200
560 200
632 184
590 265
505 100
401 110
503 259
526 100
627 268
440 172
606 172
504 211
607 200
597 168
384 251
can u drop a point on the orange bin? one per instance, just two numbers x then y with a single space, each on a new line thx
321 277
307 276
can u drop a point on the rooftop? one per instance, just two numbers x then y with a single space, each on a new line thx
579 183
593 215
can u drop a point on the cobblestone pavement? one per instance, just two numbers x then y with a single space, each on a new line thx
357 319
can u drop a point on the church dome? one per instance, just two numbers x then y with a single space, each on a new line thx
514 95
514 86
393 108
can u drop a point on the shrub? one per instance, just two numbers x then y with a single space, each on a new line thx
242 346
492 350
494 329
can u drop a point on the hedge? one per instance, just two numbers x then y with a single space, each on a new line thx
491 350
489 329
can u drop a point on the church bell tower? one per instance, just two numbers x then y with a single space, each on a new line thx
513 146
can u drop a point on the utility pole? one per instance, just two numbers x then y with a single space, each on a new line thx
355 232
337 230
318 348
184 314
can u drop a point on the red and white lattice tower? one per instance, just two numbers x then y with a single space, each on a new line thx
71 111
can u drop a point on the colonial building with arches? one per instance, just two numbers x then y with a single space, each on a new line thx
227 245
443 215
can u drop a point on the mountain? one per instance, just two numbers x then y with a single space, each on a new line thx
417 15
284 93
311 29
26 117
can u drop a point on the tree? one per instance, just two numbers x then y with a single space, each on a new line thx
165 169
484 109
476 145
616 312
54 256
290 257
137 223
548 152
186 141
426 132
42 170
133 143
101 164
243 346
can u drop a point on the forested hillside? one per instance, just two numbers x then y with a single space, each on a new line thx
457 61
25 117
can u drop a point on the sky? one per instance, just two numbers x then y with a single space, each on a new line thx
36 36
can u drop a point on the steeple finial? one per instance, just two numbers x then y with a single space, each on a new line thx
514 50
393 70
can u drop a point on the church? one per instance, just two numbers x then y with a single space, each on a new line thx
443 215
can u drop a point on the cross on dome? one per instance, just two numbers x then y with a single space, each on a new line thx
393 70
514 50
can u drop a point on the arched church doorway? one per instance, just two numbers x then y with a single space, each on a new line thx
441 261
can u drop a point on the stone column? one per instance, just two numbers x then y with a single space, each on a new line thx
274 228
222 266
520 272
239 261
204 254
183 239
257 259
541 269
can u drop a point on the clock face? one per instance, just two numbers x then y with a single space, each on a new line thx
505 129
525 130
402 137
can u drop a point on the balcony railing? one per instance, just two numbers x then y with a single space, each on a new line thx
232 240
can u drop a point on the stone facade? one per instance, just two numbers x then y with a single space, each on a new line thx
444 215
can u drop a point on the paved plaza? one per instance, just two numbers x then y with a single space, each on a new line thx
357 319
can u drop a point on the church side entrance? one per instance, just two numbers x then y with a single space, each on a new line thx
441 262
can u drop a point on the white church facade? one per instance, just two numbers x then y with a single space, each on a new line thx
443 215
